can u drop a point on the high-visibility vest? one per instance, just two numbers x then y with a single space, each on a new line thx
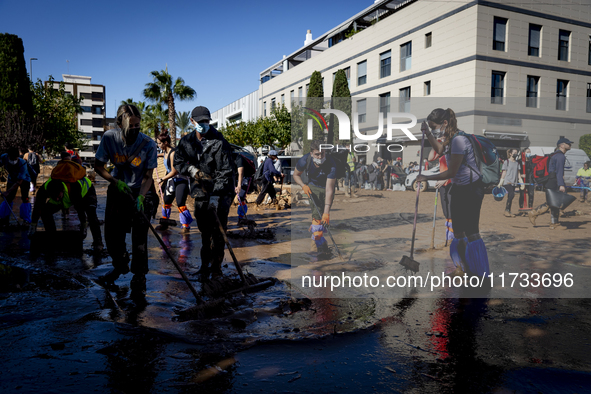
350 162
65 203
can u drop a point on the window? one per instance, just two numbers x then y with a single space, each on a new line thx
362 73
532 91
348 73
97 110
405 56
361 110
86 96
283 99
300 92
86 108
563 38
589 97
589 60
561 88
85 122
291 97
427 90
404 100
307 88
428 40
385 104
235 118
499 31
97 122
273 105
533 47
97 96
497 87
385 60
264 108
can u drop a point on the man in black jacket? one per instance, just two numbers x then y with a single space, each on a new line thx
555 182
206 157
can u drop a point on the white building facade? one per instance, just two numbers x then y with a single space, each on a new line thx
92 119
519 74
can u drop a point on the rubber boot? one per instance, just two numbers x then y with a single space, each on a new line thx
456 250
109 278
25 212
477 256
534 213
186 219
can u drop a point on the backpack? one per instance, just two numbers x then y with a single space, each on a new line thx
249 166
32 159
259 175
341 166
487 158
68 171
541 165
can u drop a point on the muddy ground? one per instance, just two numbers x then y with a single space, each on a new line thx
60 332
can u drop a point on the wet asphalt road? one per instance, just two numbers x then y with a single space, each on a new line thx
60 332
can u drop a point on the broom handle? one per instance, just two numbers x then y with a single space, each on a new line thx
238 268
414 226
434 215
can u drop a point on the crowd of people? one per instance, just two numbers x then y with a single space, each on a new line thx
204 167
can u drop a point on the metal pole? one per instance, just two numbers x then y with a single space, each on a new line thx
31 66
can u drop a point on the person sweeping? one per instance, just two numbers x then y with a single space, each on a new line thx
316 174
467 249
18 177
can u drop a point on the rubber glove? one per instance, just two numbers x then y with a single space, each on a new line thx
122 187
425 128
214 201
326 219
307 190
139 203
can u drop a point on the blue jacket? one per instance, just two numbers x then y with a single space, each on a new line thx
557 165
269 170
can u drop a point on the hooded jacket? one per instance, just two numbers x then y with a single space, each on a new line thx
212 156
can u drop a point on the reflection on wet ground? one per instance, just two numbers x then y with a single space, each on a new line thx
61 332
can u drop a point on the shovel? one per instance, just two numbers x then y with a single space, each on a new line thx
327 229
408 262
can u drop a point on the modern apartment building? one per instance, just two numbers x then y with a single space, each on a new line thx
243 109
92 119
519 73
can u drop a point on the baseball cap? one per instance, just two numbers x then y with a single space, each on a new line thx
564 140
200 113
272 153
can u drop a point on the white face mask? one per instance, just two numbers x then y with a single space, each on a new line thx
13 162
319 161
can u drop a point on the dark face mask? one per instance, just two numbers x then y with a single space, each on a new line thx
131 135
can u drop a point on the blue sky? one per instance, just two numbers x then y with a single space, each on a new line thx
218 48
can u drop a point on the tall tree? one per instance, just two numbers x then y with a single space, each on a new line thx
315 101
154 120
15 88
183 121
282 119
163 90
341 100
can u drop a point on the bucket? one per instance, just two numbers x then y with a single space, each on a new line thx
558 199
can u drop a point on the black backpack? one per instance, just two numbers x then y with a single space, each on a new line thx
341 166
32 159
259 176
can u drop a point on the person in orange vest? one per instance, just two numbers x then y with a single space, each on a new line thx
56 195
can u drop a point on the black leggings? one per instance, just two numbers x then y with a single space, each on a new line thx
530 196
267 187
445 192
180 189
465 208
510 195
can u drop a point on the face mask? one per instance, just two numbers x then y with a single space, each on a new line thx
13 162
131 135
202 128
515 156
528 155
275 161
436 133
319 161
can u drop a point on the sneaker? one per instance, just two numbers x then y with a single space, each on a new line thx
557 226
508 214
186 230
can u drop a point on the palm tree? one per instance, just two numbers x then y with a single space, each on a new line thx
153 119
183 121
164 90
